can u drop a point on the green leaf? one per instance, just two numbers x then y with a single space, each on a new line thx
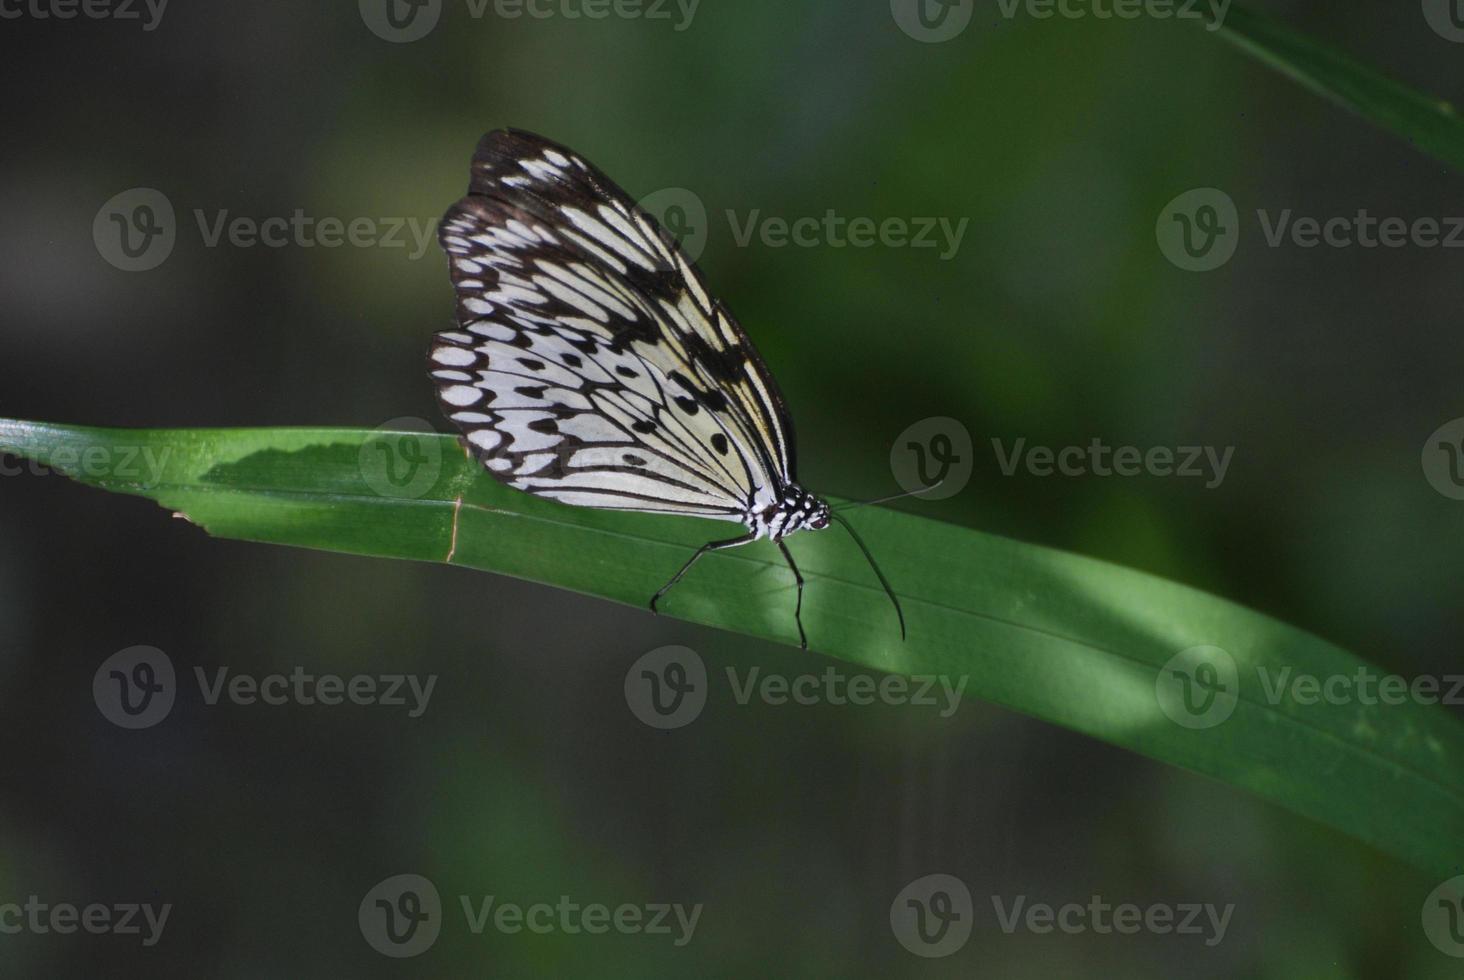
1067 639
1429 123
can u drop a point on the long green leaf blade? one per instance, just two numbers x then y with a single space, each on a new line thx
1074 641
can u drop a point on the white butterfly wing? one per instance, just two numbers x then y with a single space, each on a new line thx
591 365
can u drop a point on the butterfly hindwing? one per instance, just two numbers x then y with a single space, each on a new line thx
591 365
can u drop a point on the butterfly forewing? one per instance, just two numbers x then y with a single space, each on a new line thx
591 364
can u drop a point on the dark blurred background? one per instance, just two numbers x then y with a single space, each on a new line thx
1058 319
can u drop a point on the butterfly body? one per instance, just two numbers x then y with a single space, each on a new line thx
591 365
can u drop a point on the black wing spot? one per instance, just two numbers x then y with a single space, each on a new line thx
626 372
547 427
644 427
573 360
521 340
713 400
725 366
533 364
719 443
687 405
531 391
632 459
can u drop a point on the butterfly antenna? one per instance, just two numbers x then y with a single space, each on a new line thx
884 500
870 558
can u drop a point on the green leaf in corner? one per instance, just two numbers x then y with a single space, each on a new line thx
1429 123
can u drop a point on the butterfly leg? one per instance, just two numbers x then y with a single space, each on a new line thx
798 609
747 538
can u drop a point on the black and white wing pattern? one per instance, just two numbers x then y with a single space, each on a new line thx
590 364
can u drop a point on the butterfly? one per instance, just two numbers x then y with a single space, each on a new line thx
590 364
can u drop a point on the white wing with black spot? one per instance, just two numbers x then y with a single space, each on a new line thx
591 365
